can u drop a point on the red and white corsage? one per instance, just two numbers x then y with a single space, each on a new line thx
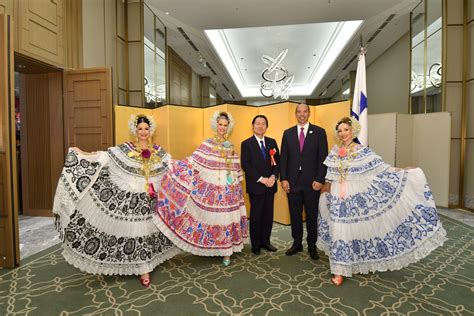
272 153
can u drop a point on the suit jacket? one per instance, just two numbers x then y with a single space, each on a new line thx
308 164
255 165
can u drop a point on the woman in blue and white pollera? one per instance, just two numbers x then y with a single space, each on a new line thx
373 217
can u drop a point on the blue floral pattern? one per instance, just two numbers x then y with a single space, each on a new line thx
381 196
362 162
406 236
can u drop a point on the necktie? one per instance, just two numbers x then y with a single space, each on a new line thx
262 148
301 139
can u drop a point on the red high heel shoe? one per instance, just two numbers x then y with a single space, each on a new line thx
145 281
337 280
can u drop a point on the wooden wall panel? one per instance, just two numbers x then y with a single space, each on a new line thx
3 186
6 7
37 117
41 30
88 109
9 246
56 127
74 34
42 150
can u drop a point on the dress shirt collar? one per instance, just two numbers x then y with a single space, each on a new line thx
259 139
306 127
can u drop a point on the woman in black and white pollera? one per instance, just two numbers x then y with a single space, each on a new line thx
104 204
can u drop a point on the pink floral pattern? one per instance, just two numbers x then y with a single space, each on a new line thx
187 203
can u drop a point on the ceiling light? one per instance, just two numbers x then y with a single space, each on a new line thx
343 32
277 83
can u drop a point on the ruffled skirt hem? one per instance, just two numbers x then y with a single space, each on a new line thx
194 249
91 266
347 269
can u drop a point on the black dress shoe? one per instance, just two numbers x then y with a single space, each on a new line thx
294 249
256 250
269 247
313 253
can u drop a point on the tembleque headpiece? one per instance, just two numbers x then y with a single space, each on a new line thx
222 115
352 122
141 118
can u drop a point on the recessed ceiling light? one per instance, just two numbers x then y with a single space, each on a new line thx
167 13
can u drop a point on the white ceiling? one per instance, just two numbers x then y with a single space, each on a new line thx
253 28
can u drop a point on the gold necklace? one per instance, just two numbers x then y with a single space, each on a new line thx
224 148
147 156
345 155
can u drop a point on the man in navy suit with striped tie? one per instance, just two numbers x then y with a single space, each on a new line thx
304 148
260 161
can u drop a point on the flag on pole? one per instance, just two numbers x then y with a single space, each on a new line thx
359 101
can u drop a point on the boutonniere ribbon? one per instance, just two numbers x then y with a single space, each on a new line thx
272 153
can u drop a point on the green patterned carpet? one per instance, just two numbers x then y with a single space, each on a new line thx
269 284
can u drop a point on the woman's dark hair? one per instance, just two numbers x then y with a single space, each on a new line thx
142 119
260 116
345 120
223 115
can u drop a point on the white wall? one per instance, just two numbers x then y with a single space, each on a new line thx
382 135
388 79
421 140
431 151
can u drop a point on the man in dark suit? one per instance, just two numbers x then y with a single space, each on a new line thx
304 148
260 161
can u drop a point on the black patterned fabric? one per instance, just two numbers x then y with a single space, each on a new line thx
104 215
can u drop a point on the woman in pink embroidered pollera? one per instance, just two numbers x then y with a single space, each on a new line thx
200 205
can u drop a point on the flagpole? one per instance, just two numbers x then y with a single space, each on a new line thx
359 101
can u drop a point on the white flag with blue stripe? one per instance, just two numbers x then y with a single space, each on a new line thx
359 101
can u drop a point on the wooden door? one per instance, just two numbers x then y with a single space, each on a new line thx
42 140
9 245
88 109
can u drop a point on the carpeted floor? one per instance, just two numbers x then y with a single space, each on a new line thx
269 284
